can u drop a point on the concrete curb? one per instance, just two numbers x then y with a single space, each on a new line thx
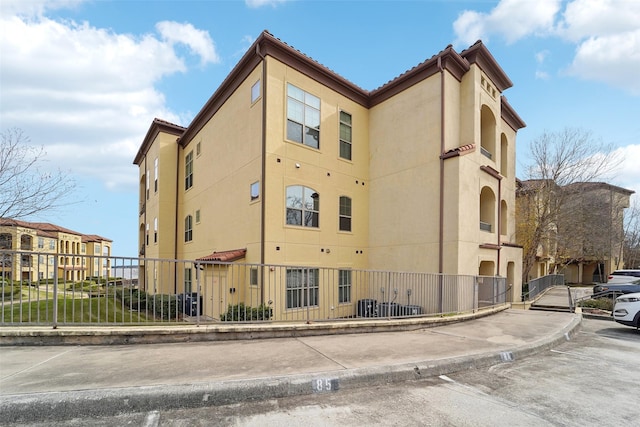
114 335
114 401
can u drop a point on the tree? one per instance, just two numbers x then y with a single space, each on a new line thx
558 159
26 188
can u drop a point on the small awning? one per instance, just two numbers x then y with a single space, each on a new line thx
225 256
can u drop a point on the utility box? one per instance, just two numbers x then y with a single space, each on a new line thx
190 304
367 308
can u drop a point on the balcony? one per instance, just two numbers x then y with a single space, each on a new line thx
486 153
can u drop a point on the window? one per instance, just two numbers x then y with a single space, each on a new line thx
5 241
52 244
155 230
26 242
345 135
253 277
198 149
188 228
255 91
344 286
146 236
303 205
188 281
147 184
255 191
345 213
155 175
84 248
198 216
303 117
302 287
40 242
188 171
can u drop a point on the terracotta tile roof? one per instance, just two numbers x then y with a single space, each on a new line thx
225 256
459 151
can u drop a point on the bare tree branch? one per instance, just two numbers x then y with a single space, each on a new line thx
25 188
558 159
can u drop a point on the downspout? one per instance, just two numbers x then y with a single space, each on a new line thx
441 219
175 228
442 146
264 166
499 225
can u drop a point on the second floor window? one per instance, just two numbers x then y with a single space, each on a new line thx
303 206
188 171
345 213
345 135
188 228
155 175
5 241
303 117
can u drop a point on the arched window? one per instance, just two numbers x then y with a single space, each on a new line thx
487 209
303 206
504 155
188 228
504 215
487 132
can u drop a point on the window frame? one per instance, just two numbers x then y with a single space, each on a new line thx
188 170
254 191
188 228
347 217
300 293
309 110
309 211
344 286
256 91
155 175
343 141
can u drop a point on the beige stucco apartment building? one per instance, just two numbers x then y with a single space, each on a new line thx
290 164
40 243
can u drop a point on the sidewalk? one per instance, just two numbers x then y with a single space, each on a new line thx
61 382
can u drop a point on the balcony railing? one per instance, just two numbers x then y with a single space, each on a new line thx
486 152
485 226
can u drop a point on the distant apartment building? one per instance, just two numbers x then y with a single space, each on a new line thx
584 240
289 163
46 248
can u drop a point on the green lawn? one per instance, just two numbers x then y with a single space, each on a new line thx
83 310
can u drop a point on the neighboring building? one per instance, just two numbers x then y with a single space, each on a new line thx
44 242
288 163
584 239
591 231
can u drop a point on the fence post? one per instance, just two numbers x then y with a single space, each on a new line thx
55 292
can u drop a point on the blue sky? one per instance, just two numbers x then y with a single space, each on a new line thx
85 78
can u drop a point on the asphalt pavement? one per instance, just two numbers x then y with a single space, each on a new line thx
45 382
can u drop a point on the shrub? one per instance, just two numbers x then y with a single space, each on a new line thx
599 303
132 298
164 306
240 313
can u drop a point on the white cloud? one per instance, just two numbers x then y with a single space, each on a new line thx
606 34
583 19
612 59
34 8
510 19
88 94
628 174
198 41
259 3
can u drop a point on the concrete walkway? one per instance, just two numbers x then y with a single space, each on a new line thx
62 382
